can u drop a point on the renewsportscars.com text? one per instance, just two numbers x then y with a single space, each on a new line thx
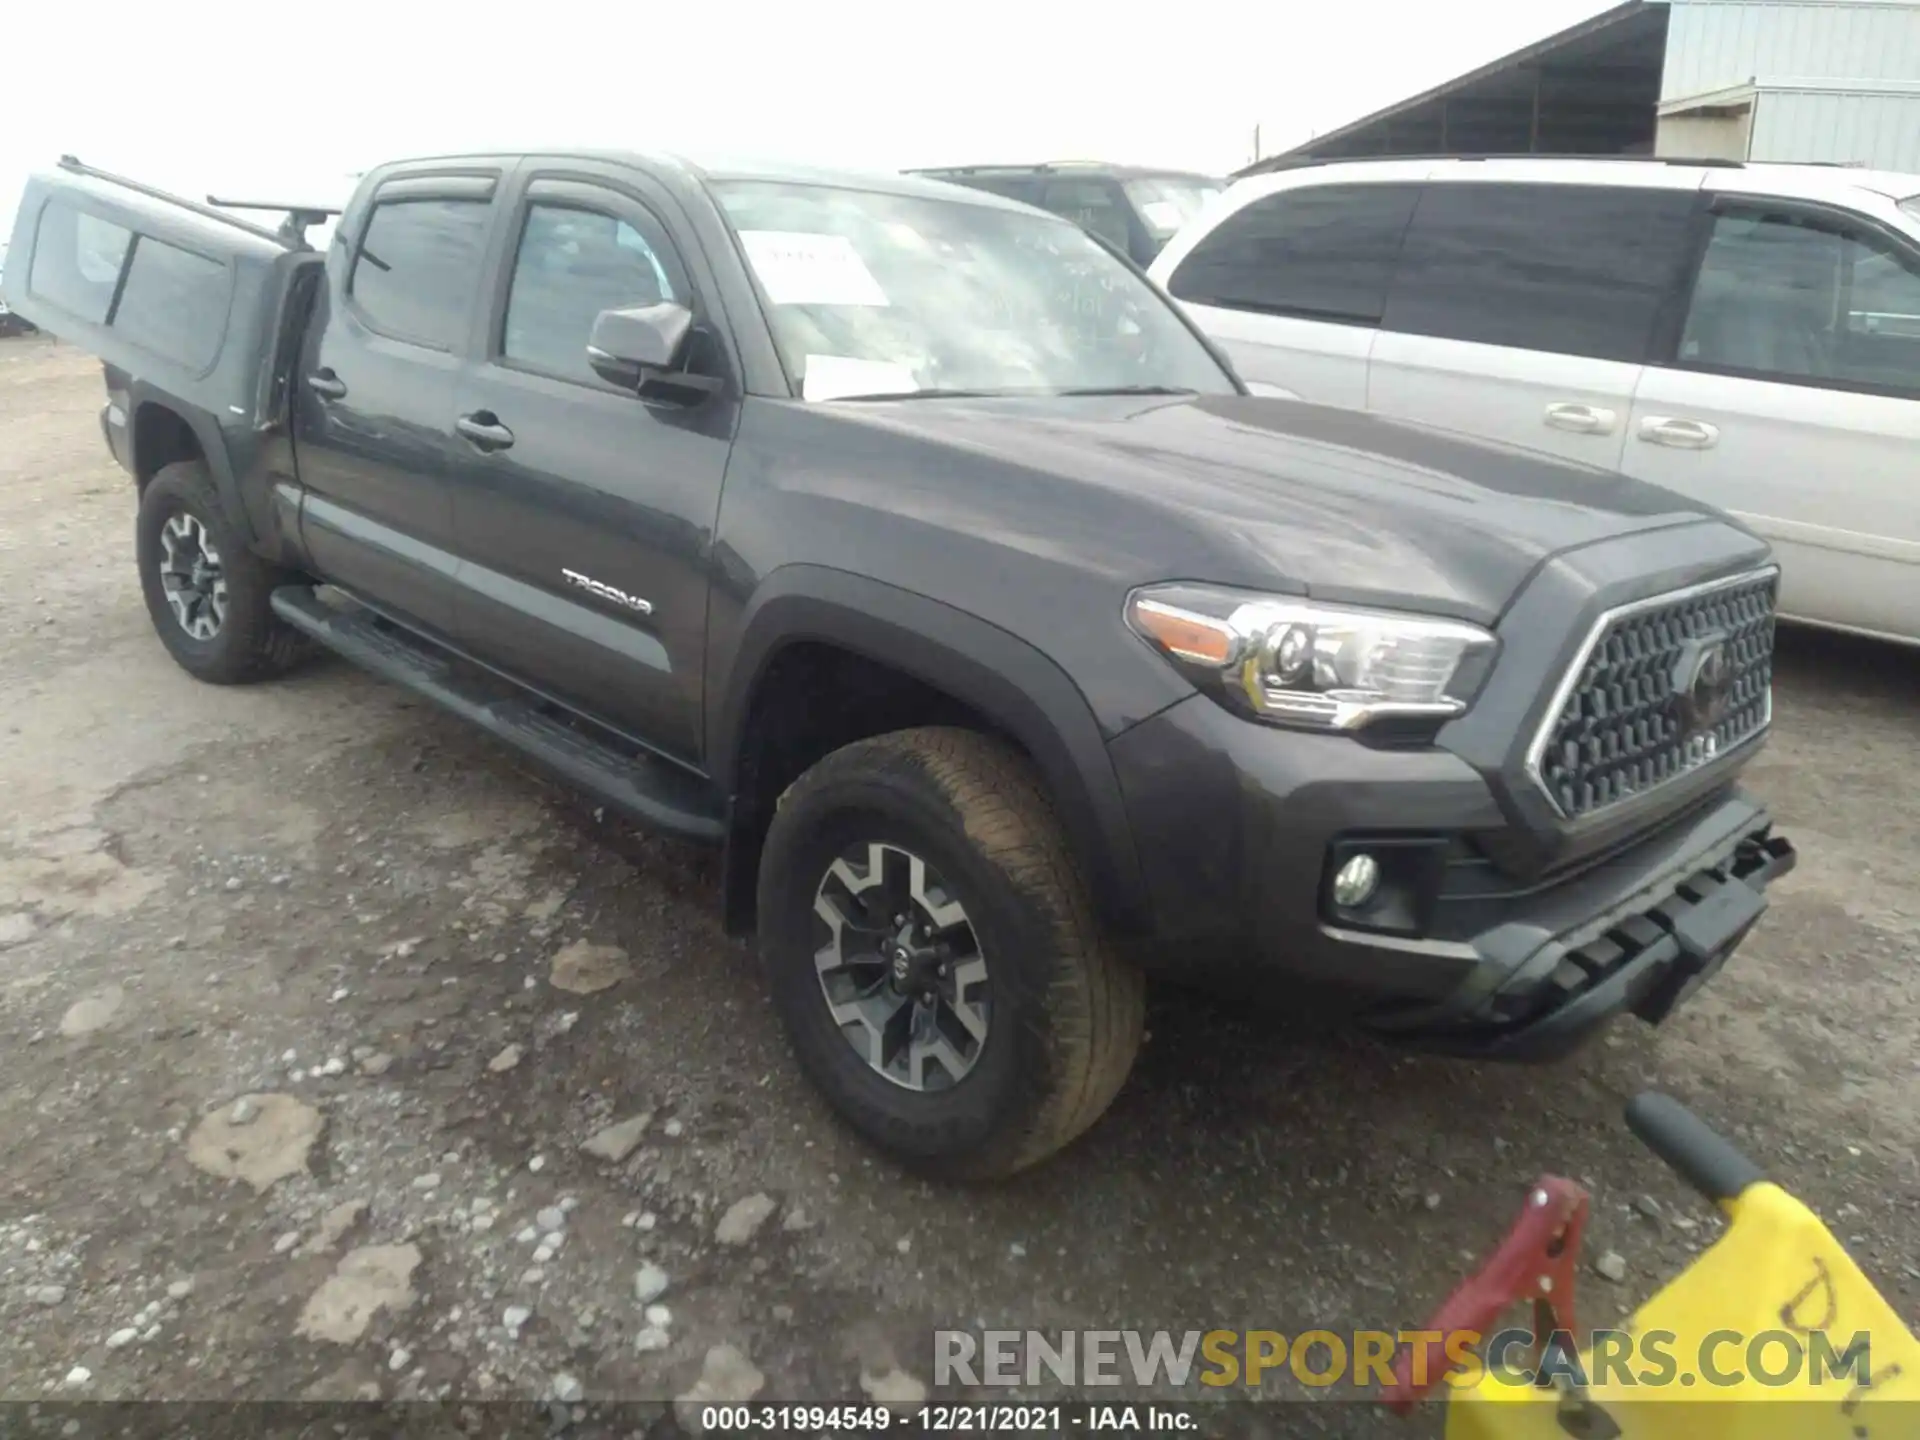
1365 1358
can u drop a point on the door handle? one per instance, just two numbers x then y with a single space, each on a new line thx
1581 419
484 431
1678 433
327 385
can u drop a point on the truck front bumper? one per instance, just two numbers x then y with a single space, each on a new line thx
1240 828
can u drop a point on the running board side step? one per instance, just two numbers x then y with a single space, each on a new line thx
650 791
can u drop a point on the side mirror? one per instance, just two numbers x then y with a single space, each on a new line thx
629 347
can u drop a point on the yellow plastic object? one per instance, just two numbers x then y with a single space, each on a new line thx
1775 1283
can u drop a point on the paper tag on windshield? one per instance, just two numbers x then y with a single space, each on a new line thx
832 377
798 268
1161 214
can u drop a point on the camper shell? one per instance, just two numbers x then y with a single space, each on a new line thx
194 312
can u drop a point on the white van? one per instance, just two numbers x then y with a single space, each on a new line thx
1748 335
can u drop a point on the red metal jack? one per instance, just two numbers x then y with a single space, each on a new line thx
1536 1261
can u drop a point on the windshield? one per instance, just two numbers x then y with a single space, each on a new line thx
875 294
1167 203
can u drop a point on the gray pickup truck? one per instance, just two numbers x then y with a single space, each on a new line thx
907 543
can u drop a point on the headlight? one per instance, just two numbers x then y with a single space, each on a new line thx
1297 662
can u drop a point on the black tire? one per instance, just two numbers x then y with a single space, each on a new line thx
251 642
1066 1013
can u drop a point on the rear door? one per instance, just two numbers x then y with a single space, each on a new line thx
568 480
375 389
1293 285
1523 312
1792 399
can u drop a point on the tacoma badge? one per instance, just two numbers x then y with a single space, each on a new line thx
607 592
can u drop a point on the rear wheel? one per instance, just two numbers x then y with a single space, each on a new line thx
207 593
933 954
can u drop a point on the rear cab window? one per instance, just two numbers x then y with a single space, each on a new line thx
1565 269
416 271
1324 252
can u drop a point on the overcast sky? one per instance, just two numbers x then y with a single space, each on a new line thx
276 98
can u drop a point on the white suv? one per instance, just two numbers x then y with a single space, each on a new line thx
1745 334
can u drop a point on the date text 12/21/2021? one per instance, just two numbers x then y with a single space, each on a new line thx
943 1419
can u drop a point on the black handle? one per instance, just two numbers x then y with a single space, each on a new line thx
1698 1155
484 431
327 385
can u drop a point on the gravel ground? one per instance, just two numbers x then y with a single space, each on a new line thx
346 1057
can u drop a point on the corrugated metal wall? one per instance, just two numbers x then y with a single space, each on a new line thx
1882 131
1715 44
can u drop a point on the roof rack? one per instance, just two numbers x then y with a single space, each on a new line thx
292 231
1302 162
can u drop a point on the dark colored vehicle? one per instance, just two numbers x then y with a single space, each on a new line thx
10 323
909 545
1134 208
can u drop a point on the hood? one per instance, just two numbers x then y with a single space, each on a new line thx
1277 494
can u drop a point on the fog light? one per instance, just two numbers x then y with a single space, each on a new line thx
1355 882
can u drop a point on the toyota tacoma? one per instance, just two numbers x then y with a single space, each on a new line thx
908 544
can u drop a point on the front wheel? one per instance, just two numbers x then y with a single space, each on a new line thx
209 595
933 954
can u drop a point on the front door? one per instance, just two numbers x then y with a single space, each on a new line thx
375 388
585 513
1793 401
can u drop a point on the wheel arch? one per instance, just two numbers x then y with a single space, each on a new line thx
987 672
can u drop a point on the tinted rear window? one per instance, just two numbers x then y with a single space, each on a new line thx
174 303
1324 253
1095 206
76 260
418 267
1568 269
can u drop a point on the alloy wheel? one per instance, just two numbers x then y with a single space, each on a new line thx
191 576
901 967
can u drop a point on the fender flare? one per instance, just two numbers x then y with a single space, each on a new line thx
206 430
989 669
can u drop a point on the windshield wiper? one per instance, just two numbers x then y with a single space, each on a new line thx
1129 390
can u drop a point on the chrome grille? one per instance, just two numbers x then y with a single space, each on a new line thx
1662 687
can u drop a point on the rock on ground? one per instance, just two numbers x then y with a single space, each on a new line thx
94 1012
616 1142
268 1148
374 1277
505 1060
893 1387
744 1219
649 1283
583 969
334 1226
727 1377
